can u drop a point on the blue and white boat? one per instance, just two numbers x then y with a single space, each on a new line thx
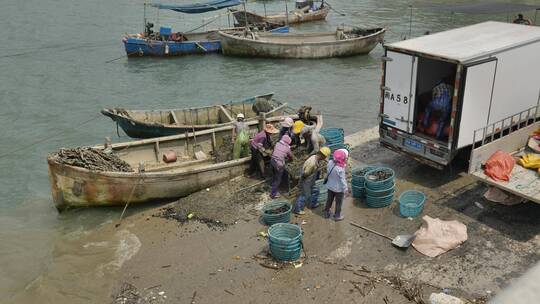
165 42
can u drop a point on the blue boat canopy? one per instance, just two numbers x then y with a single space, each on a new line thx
200 7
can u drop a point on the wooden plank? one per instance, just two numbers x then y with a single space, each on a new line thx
523 183
176 165
156 149
226 113
174 117
510 143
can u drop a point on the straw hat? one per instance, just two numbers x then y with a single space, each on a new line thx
269 128
287 122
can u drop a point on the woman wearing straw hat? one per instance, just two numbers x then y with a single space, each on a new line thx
260 142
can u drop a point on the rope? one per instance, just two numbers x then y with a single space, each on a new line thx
44 139
330 6
128 201
132 53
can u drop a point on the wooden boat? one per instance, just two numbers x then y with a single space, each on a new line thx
156 123
306 46
196 168
296 16
164 43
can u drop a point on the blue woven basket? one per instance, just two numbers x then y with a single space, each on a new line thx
380 192
358 175
283 217
411 203
358 192
285 241
379 184
379 202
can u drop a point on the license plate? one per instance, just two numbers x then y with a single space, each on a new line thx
413 144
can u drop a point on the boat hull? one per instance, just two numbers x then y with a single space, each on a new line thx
138 47
240 46
293 18
75 187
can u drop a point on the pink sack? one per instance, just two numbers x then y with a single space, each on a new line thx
499 166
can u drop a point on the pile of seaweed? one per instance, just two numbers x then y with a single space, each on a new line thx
92 159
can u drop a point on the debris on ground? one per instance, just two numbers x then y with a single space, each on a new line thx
442 298
221 206
267 261
128 294
224 152
91 159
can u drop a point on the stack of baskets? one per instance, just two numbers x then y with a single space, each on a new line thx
335 139
379 187
271 218
285 241
358 181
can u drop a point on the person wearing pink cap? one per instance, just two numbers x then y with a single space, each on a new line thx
336 183
282 152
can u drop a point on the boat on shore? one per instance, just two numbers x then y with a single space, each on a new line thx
155 169
156 123
340 43
300 15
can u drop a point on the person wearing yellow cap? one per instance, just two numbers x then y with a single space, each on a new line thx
296 129
311 171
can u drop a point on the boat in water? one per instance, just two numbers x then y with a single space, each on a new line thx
305 12
156 123
147 170
165 42
340 43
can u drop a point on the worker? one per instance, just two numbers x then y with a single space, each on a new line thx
336 183
286 126
260 142
442 102
282 152
522 20
313 140
296 129
240 137
310 172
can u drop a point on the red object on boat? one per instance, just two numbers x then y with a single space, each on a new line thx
499 166
169 157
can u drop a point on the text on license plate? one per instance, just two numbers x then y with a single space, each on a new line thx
413 144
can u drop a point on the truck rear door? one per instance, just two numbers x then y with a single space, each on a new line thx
477 94
399 90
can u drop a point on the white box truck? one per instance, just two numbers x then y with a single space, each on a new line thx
493 69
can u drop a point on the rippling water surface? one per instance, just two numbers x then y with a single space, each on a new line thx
54 77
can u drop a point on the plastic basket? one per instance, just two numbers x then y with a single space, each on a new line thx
358 175
379 202
358 192
411 203
285 241
283 217
381 192
379 184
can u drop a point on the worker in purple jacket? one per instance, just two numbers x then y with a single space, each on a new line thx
258 144
282 152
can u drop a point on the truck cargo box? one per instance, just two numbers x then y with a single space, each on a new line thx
491 70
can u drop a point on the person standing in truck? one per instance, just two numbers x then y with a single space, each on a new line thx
441 102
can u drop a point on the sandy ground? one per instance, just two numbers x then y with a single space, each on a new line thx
199 262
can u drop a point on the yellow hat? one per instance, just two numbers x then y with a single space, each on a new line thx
297 127
325 151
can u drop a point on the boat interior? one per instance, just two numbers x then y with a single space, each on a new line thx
293 38
210 115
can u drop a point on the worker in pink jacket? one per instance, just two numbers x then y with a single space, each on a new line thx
282 152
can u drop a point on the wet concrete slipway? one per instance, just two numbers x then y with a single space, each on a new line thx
55 78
